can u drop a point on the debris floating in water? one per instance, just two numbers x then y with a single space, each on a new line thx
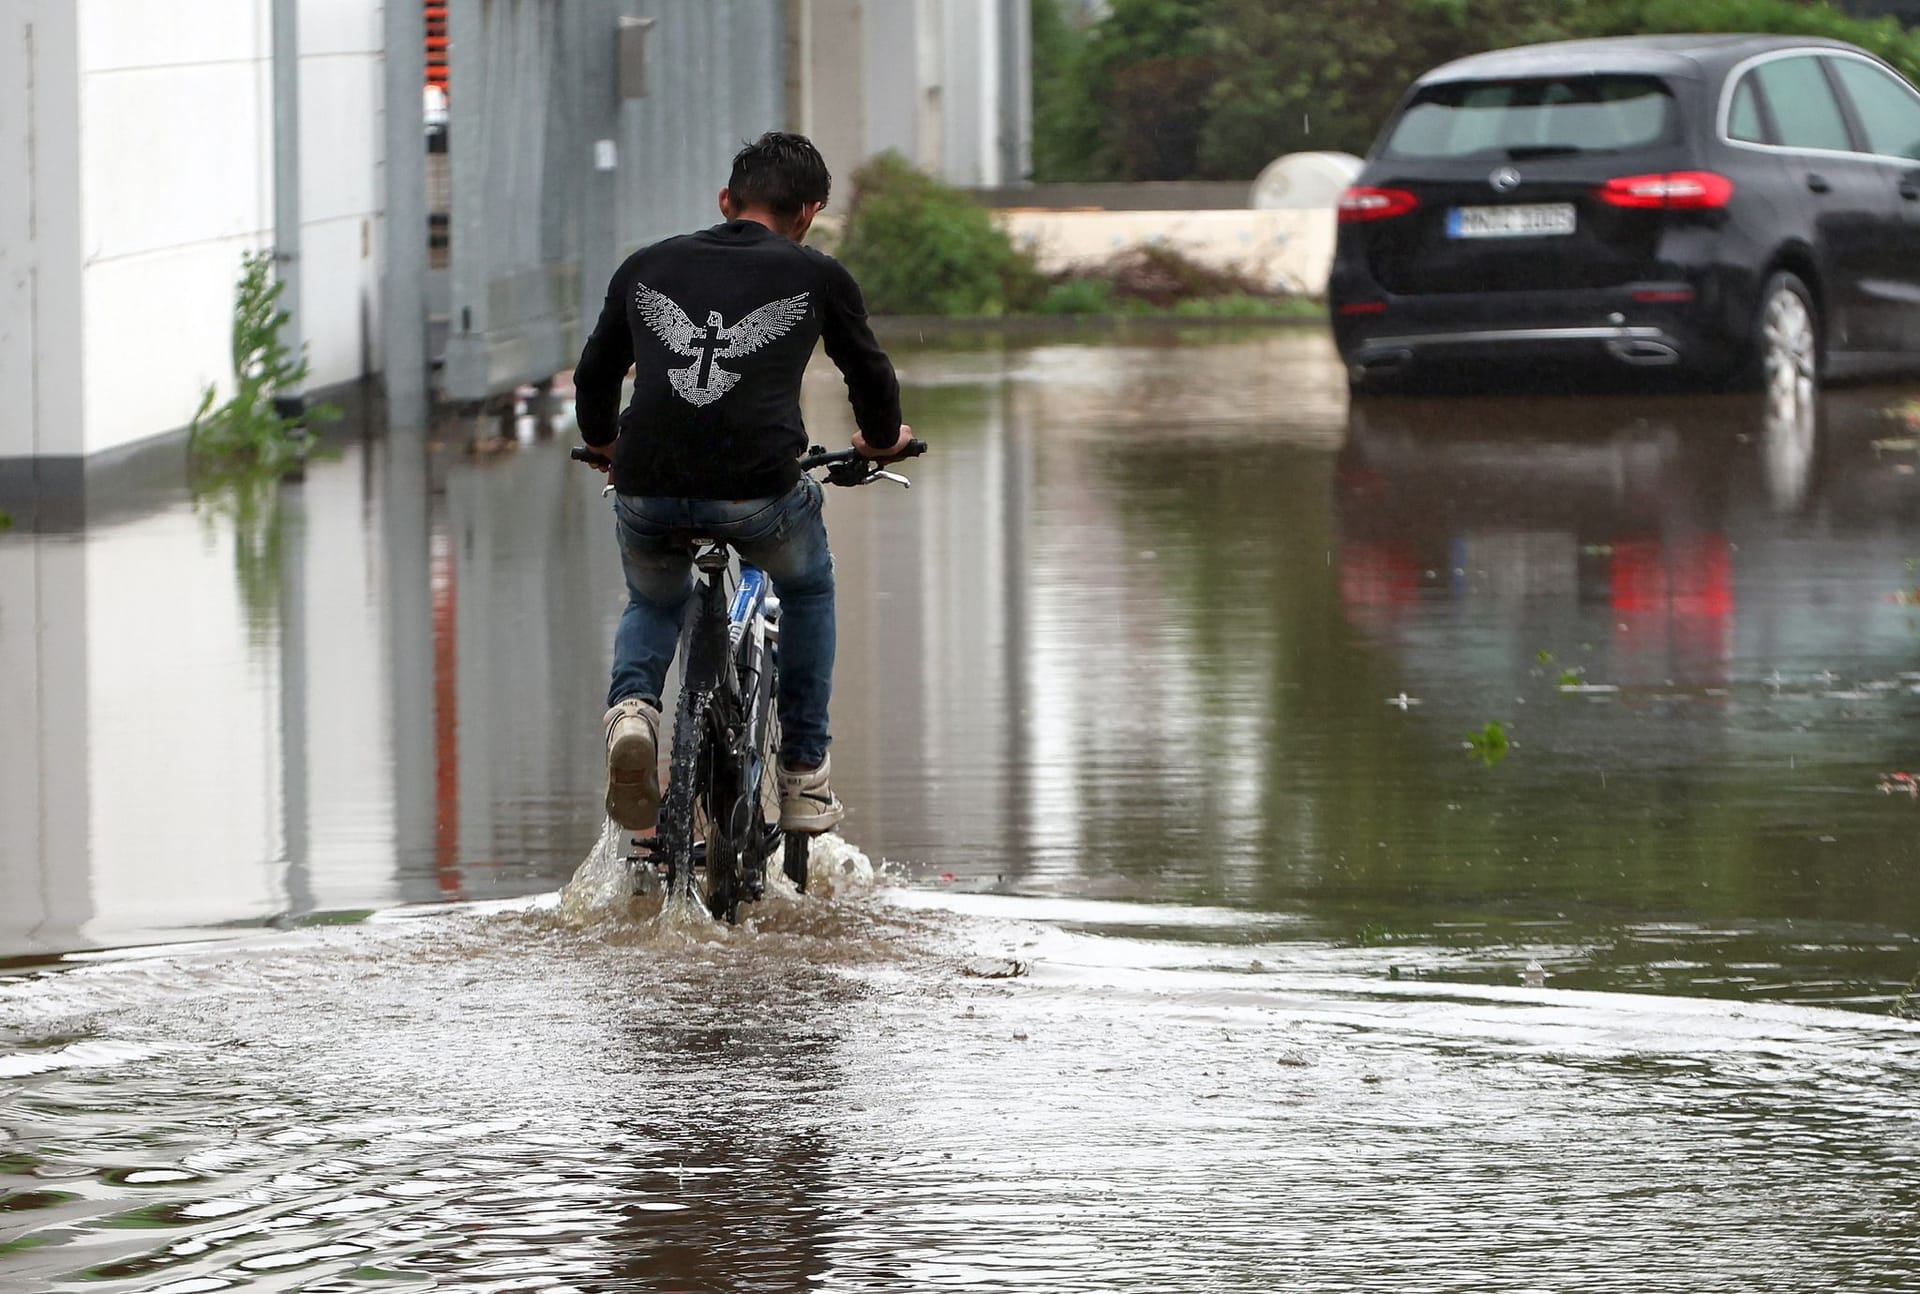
994 968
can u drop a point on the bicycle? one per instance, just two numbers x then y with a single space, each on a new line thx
720 815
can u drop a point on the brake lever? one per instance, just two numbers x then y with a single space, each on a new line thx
857 471
881 474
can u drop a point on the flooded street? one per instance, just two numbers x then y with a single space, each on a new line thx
1402 845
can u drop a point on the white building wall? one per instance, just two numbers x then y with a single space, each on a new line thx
970 73
176 128
39 229
342 185
922 78
889 81
144 133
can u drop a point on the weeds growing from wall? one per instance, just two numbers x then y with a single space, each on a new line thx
241 450
248 432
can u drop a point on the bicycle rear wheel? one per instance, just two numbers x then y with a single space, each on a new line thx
679 836
687 835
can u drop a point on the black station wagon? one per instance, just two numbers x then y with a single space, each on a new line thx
1741 208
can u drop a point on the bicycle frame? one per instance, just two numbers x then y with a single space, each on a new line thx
752 633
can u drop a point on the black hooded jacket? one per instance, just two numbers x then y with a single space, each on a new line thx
718 327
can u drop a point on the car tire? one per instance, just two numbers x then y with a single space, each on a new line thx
1784 346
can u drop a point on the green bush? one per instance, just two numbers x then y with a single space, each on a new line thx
920 247
1080 297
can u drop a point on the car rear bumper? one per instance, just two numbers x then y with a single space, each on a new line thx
1638 346
1644 325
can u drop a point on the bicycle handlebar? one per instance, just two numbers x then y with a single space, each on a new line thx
818 457
844 466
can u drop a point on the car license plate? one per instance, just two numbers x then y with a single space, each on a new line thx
1535 220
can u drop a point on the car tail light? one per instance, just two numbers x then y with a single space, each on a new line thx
1668 191
1363 308
1360 204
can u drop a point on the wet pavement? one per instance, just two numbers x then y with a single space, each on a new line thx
1445 844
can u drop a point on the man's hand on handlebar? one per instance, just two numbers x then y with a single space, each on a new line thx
891 452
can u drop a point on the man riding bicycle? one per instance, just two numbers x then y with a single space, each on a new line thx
718 327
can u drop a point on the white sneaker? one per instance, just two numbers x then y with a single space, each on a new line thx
633 764
807 803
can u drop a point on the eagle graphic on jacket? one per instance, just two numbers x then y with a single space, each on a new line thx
704 381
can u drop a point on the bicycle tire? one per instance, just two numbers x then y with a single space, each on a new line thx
690 767
792 846
719 790
761 807
677 833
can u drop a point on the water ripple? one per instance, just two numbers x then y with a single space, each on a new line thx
511 1098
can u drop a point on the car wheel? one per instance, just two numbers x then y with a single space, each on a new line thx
1784 351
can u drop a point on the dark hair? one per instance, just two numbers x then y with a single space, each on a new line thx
779 171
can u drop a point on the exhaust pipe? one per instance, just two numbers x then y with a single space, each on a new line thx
1642 353
1383 362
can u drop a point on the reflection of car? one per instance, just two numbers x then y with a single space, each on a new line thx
1651 543
1732 206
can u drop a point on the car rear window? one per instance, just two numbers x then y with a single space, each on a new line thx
1534 117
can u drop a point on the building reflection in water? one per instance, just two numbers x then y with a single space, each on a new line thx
220 702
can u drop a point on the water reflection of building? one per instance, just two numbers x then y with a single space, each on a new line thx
197 703
1065 697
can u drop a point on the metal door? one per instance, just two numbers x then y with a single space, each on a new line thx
554 176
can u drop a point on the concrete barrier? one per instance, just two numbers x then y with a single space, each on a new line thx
1288 251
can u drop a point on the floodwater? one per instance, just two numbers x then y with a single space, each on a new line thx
1414 845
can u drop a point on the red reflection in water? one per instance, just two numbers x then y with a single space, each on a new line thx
446 718
1673 599
1377 582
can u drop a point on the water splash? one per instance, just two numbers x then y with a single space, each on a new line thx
604 884
836 866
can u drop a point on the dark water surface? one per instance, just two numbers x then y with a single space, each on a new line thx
1182 658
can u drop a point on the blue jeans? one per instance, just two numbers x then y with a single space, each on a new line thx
785 537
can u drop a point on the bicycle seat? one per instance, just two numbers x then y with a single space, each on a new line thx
708 553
